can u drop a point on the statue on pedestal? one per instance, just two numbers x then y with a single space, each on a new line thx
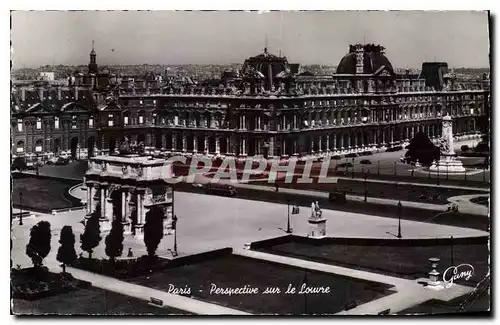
315 211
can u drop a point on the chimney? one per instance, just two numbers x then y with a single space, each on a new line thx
59 93
76 93
23 94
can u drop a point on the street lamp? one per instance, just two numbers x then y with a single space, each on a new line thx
174 227
288 225
400 208
366 189
20 208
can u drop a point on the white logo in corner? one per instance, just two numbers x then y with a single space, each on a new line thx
453 273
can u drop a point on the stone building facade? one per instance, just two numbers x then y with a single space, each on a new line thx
268 110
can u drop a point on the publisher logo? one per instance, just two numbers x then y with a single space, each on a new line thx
454 273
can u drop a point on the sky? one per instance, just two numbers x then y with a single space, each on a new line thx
220 37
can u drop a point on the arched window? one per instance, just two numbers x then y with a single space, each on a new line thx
20 146
39 145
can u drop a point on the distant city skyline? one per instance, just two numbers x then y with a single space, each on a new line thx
166 37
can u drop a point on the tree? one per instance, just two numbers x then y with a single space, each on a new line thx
92 234
153 230
66 253
39 245
114 241
422 149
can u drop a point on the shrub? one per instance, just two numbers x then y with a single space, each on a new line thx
39 245
92 234
66 253
114 241
153 230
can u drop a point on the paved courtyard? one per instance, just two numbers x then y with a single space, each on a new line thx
209 222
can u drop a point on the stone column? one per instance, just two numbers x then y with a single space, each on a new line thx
228 144
294 121
139 227
243 146
295 146
128 214
259 124
327 142
195 143
392 135
320 147
283 149
205 144
334 139
103 202
341 142
217 145
312 144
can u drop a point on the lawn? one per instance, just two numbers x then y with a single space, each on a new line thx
42 194
396 260
483 200
92 301
235 272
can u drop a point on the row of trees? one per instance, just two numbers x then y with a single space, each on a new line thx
40 237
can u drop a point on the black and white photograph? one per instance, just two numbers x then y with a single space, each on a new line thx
185 163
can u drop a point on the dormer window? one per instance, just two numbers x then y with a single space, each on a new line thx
110 120
125 120
56 122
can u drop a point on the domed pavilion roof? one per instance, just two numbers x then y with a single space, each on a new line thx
373 59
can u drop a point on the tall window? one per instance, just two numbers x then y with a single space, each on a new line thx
56 122
91 122
141 117
125 120
19 125
73 122
38 123
110 120
176 120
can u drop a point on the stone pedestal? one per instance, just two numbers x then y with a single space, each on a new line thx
317 227
448 164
